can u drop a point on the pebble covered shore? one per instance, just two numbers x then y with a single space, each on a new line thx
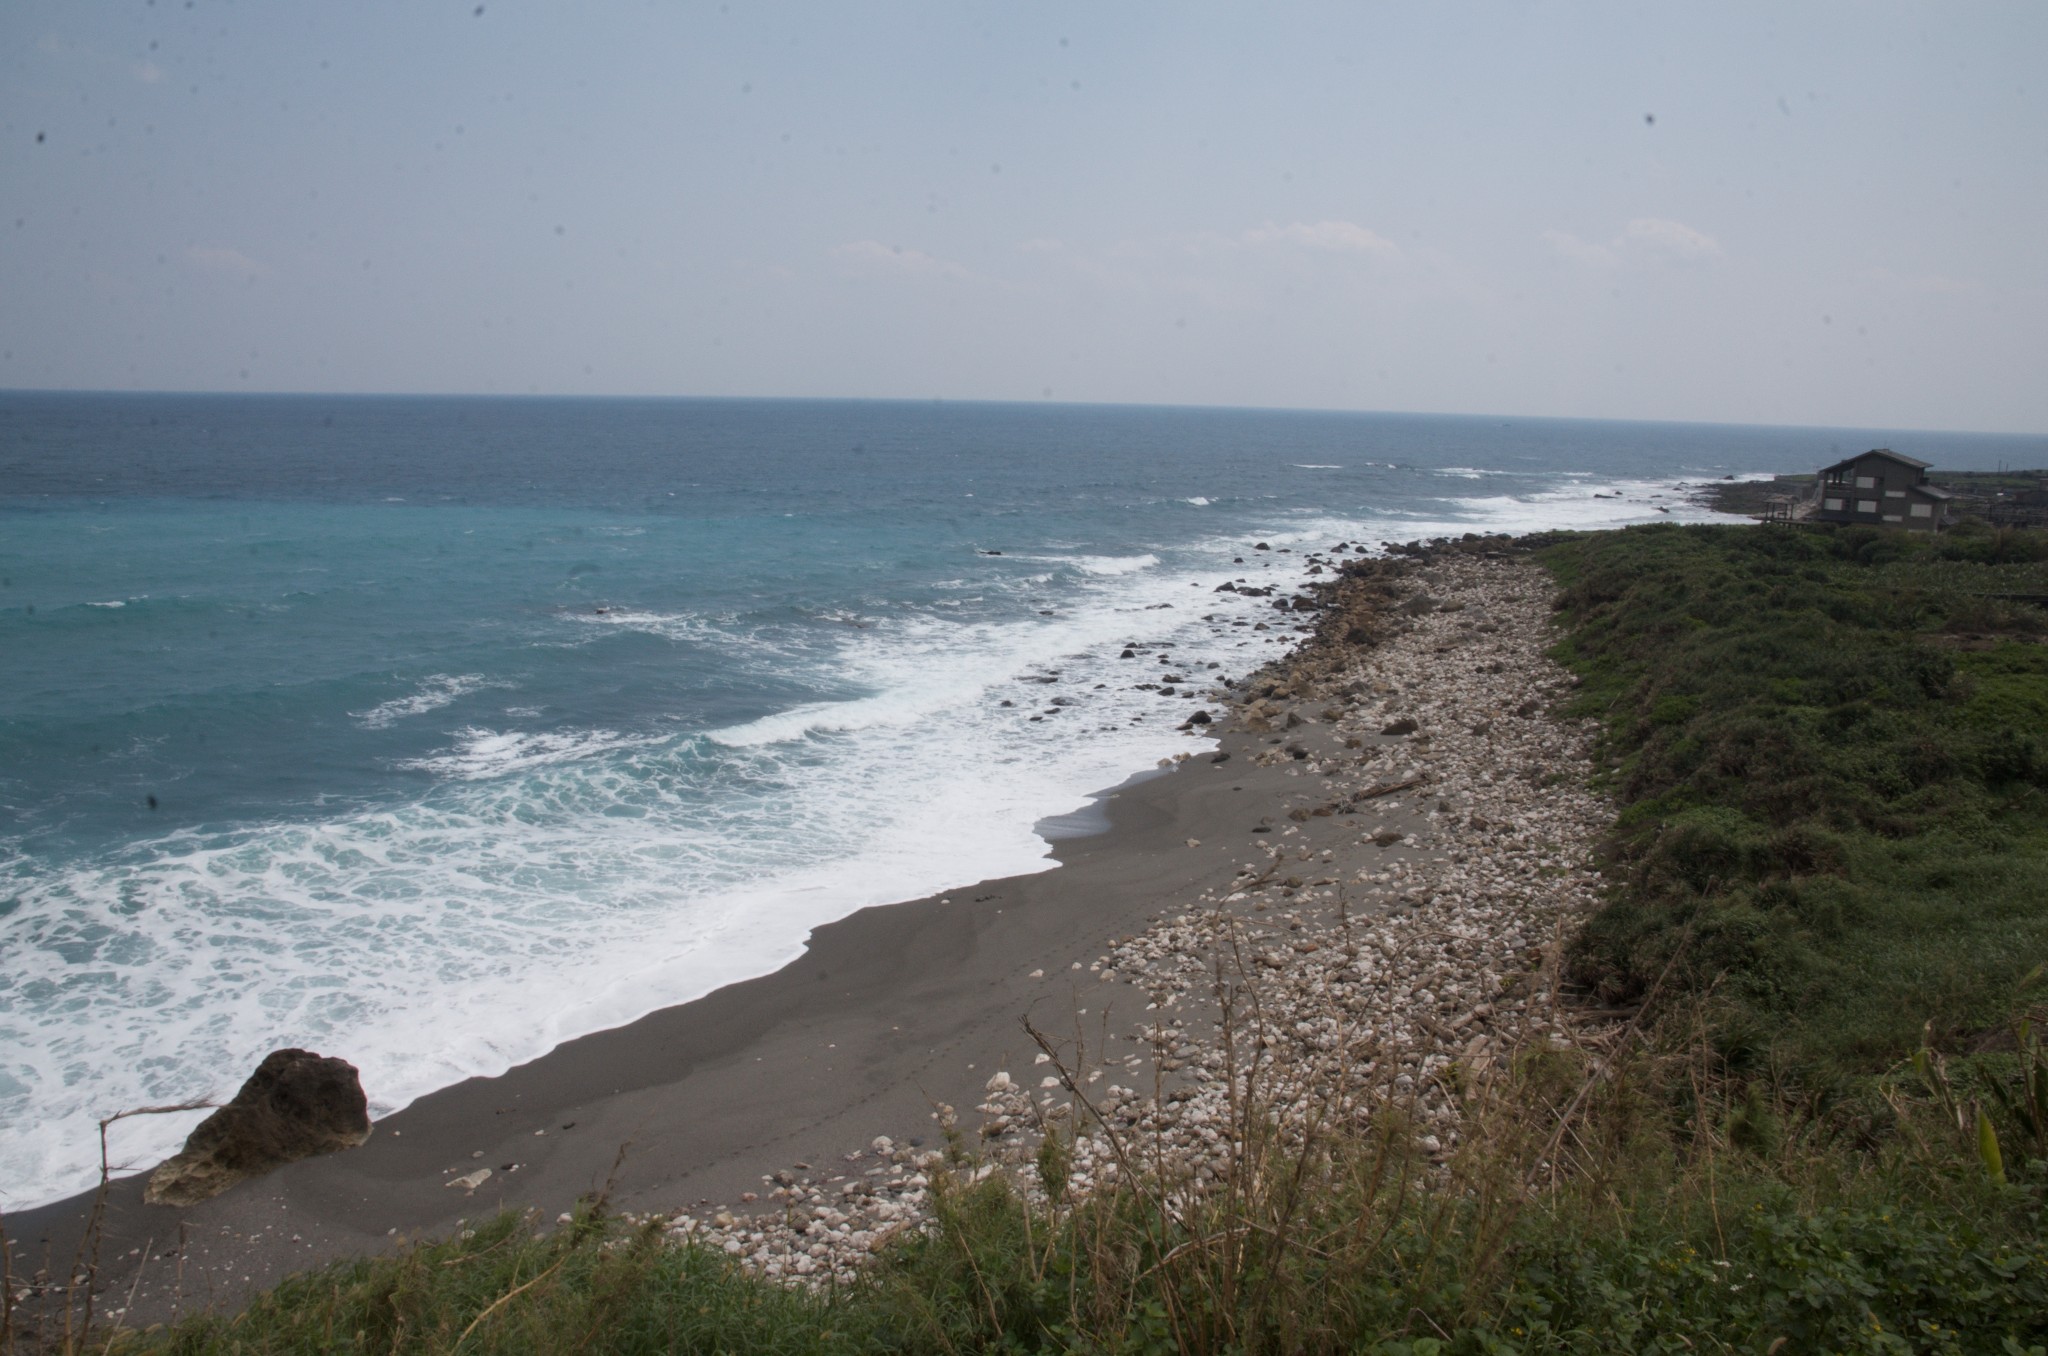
1392 930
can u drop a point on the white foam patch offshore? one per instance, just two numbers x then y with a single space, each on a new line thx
552 883
433 693
1113 565
1103 566
1592 505
480 753
712 632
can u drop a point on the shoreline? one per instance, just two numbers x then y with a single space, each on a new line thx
518 1008
888 1016
886 1011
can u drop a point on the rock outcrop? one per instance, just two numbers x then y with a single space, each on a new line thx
297 1104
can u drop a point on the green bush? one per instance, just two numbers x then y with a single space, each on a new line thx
1832 818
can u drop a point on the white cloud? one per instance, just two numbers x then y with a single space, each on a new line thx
1643 242
227 262
1335 236
1668 239
872 256
1928 284
1579 251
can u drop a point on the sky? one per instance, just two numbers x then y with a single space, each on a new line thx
1753 213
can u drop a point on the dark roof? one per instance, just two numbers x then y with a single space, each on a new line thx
1931 491
1878 452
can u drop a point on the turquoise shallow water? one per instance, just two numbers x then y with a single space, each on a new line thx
434 732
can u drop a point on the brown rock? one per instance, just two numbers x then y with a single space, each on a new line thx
295 1105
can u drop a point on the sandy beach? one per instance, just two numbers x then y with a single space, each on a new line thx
1393 829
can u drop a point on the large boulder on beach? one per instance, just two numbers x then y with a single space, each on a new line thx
297 1104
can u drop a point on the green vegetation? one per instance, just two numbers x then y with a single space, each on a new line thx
1832 749
1826 1132
1366 1267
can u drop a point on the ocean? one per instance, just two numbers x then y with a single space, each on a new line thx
432 733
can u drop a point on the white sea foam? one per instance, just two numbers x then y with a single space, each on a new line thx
480 753
113 604
1315 466
1199 501
673 625
433 693
1628 502
1101 566
1113 565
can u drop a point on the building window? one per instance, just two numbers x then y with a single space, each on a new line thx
1895 494
1866 506
1891 518
1866 482
1832 505
1923 510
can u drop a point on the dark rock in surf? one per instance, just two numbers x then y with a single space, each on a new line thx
297 1104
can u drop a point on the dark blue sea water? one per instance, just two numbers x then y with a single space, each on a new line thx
433 732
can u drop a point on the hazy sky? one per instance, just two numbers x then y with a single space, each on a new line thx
1762 213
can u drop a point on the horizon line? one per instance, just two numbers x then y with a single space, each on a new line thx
1046 403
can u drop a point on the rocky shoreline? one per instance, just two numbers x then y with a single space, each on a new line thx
1354 905
1391 934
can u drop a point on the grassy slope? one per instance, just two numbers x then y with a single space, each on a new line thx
1832 749
1829 751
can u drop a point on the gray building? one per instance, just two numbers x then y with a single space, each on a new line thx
1879 487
